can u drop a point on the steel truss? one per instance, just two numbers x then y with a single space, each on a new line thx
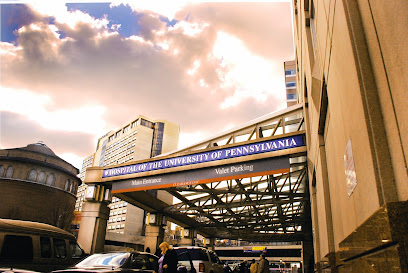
263 208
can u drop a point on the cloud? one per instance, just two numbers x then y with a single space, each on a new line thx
76 66
18 131
161 7
85 119
264 27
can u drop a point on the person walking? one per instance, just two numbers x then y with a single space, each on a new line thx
170 260
263 266
254 267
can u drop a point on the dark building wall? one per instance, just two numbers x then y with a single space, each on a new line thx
36 185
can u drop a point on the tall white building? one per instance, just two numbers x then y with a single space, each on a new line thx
140 139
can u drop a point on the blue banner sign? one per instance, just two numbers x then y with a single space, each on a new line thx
266 166
221 154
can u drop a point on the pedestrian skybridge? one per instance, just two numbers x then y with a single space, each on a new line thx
248 183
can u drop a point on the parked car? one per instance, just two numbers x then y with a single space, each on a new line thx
36 246
204 260
15 270
142 262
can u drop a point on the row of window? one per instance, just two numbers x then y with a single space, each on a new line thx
121 143
119 205
121 226
124 130
115 162
88 161
80 197
124 160
20 248
142 122
117 212
41 177
126 149
117 219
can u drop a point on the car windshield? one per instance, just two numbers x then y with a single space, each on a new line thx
195 254
104 260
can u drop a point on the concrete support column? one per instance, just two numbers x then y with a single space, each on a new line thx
92 231
188 237
187 241
211 246
154 236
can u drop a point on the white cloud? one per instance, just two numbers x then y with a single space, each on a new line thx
59 10
84 118
190 138
162 7
73 159
106 80
250 75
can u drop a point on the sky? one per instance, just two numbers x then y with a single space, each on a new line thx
72 71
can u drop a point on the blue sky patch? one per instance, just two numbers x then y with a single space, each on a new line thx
14 16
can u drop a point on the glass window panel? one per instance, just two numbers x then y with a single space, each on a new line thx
45 244
41 177
17 248
32 175
10 171
51 180
60 248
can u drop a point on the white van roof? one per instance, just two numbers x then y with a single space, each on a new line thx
20 226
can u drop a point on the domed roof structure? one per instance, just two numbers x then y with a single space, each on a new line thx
40 147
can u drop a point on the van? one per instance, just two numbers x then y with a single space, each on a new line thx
203 260
37 246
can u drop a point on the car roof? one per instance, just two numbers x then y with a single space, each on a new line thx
21 226
190 247
126 251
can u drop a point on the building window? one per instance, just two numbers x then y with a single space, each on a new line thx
291 84
147 123
9 172
51 180
46 249
32 175
290 72
17 248
291 96
1 170
41 177
60 248
66 188
118 133
126 129
135 123
111 137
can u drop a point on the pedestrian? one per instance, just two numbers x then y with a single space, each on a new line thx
254 267
247 265
263 266
242 267
170 260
